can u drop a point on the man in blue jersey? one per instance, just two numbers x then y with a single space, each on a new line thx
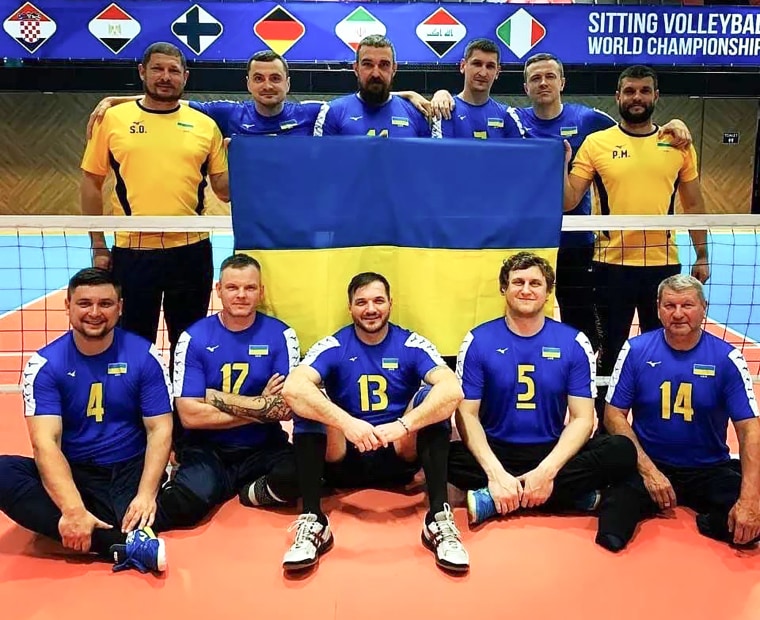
98 408
376 427
520 374
374 110
268 113
477 114
682 385
228 374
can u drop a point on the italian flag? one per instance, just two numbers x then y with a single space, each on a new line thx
521 32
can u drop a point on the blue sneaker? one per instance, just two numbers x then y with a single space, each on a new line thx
480 506
143 551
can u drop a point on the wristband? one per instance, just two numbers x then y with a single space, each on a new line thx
401 421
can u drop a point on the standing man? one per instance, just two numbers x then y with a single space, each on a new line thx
374 110
376 427
682 385
521 374
160 153
636 173
477 114
228 374
267 113
98 409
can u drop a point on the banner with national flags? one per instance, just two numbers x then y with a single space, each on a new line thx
440 239
421 32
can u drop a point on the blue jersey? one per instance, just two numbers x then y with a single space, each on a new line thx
681 400
350 116
373 382
211 356
101 399
523 382
241 117
573 124
491 120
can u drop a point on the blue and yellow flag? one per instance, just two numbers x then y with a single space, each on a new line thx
436 217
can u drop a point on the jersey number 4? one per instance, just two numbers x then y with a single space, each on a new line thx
95 408
680 405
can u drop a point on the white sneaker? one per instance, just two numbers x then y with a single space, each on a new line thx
312 540
442 538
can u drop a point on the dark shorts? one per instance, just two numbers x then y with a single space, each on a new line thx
378 469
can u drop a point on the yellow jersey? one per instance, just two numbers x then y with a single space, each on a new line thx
160 160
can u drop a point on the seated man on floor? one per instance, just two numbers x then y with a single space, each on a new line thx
520 374
98 408
376 427
229 370
682 385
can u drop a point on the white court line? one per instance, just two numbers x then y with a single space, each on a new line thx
29 303
747 340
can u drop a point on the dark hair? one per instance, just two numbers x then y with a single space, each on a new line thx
540 58
526 260
239 261
638 72
376 40
164 48
267 56
92 276
363 279
484 45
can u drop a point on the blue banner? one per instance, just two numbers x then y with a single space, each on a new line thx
332 207
423 33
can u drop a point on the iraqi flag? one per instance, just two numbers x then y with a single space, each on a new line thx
114 28
29 26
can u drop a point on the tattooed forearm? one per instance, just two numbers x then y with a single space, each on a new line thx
261 409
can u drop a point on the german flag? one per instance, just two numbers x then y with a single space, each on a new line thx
279 29
333 207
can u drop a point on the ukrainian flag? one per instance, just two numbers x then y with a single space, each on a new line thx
551 353
436 217
119 368
704 370
258 350
390 363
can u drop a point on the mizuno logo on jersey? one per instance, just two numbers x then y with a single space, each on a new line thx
355 118
119 368
704 370
390 363
212 349
495 122
653 364
551 353
399 121
502 351
258 350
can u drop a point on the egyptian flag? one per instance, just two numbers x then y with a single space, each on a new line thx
435 217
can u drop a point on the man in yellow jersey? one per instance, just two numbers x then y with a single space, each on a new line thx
635 173
160 153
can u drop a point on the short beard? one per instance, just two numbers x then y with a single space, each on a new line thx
361 327
374 96
636 119
164 98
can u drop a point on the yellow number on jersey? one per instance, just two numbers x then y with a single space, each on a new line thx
95 407
525 400
681 405
373 386
482 135
383 133
227 370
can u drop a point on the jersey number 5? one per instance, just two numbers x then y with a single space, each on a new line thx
373 387
681 405
525 400
95 407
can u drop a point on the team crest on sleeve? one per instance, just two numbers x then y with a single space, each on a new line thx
30 27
